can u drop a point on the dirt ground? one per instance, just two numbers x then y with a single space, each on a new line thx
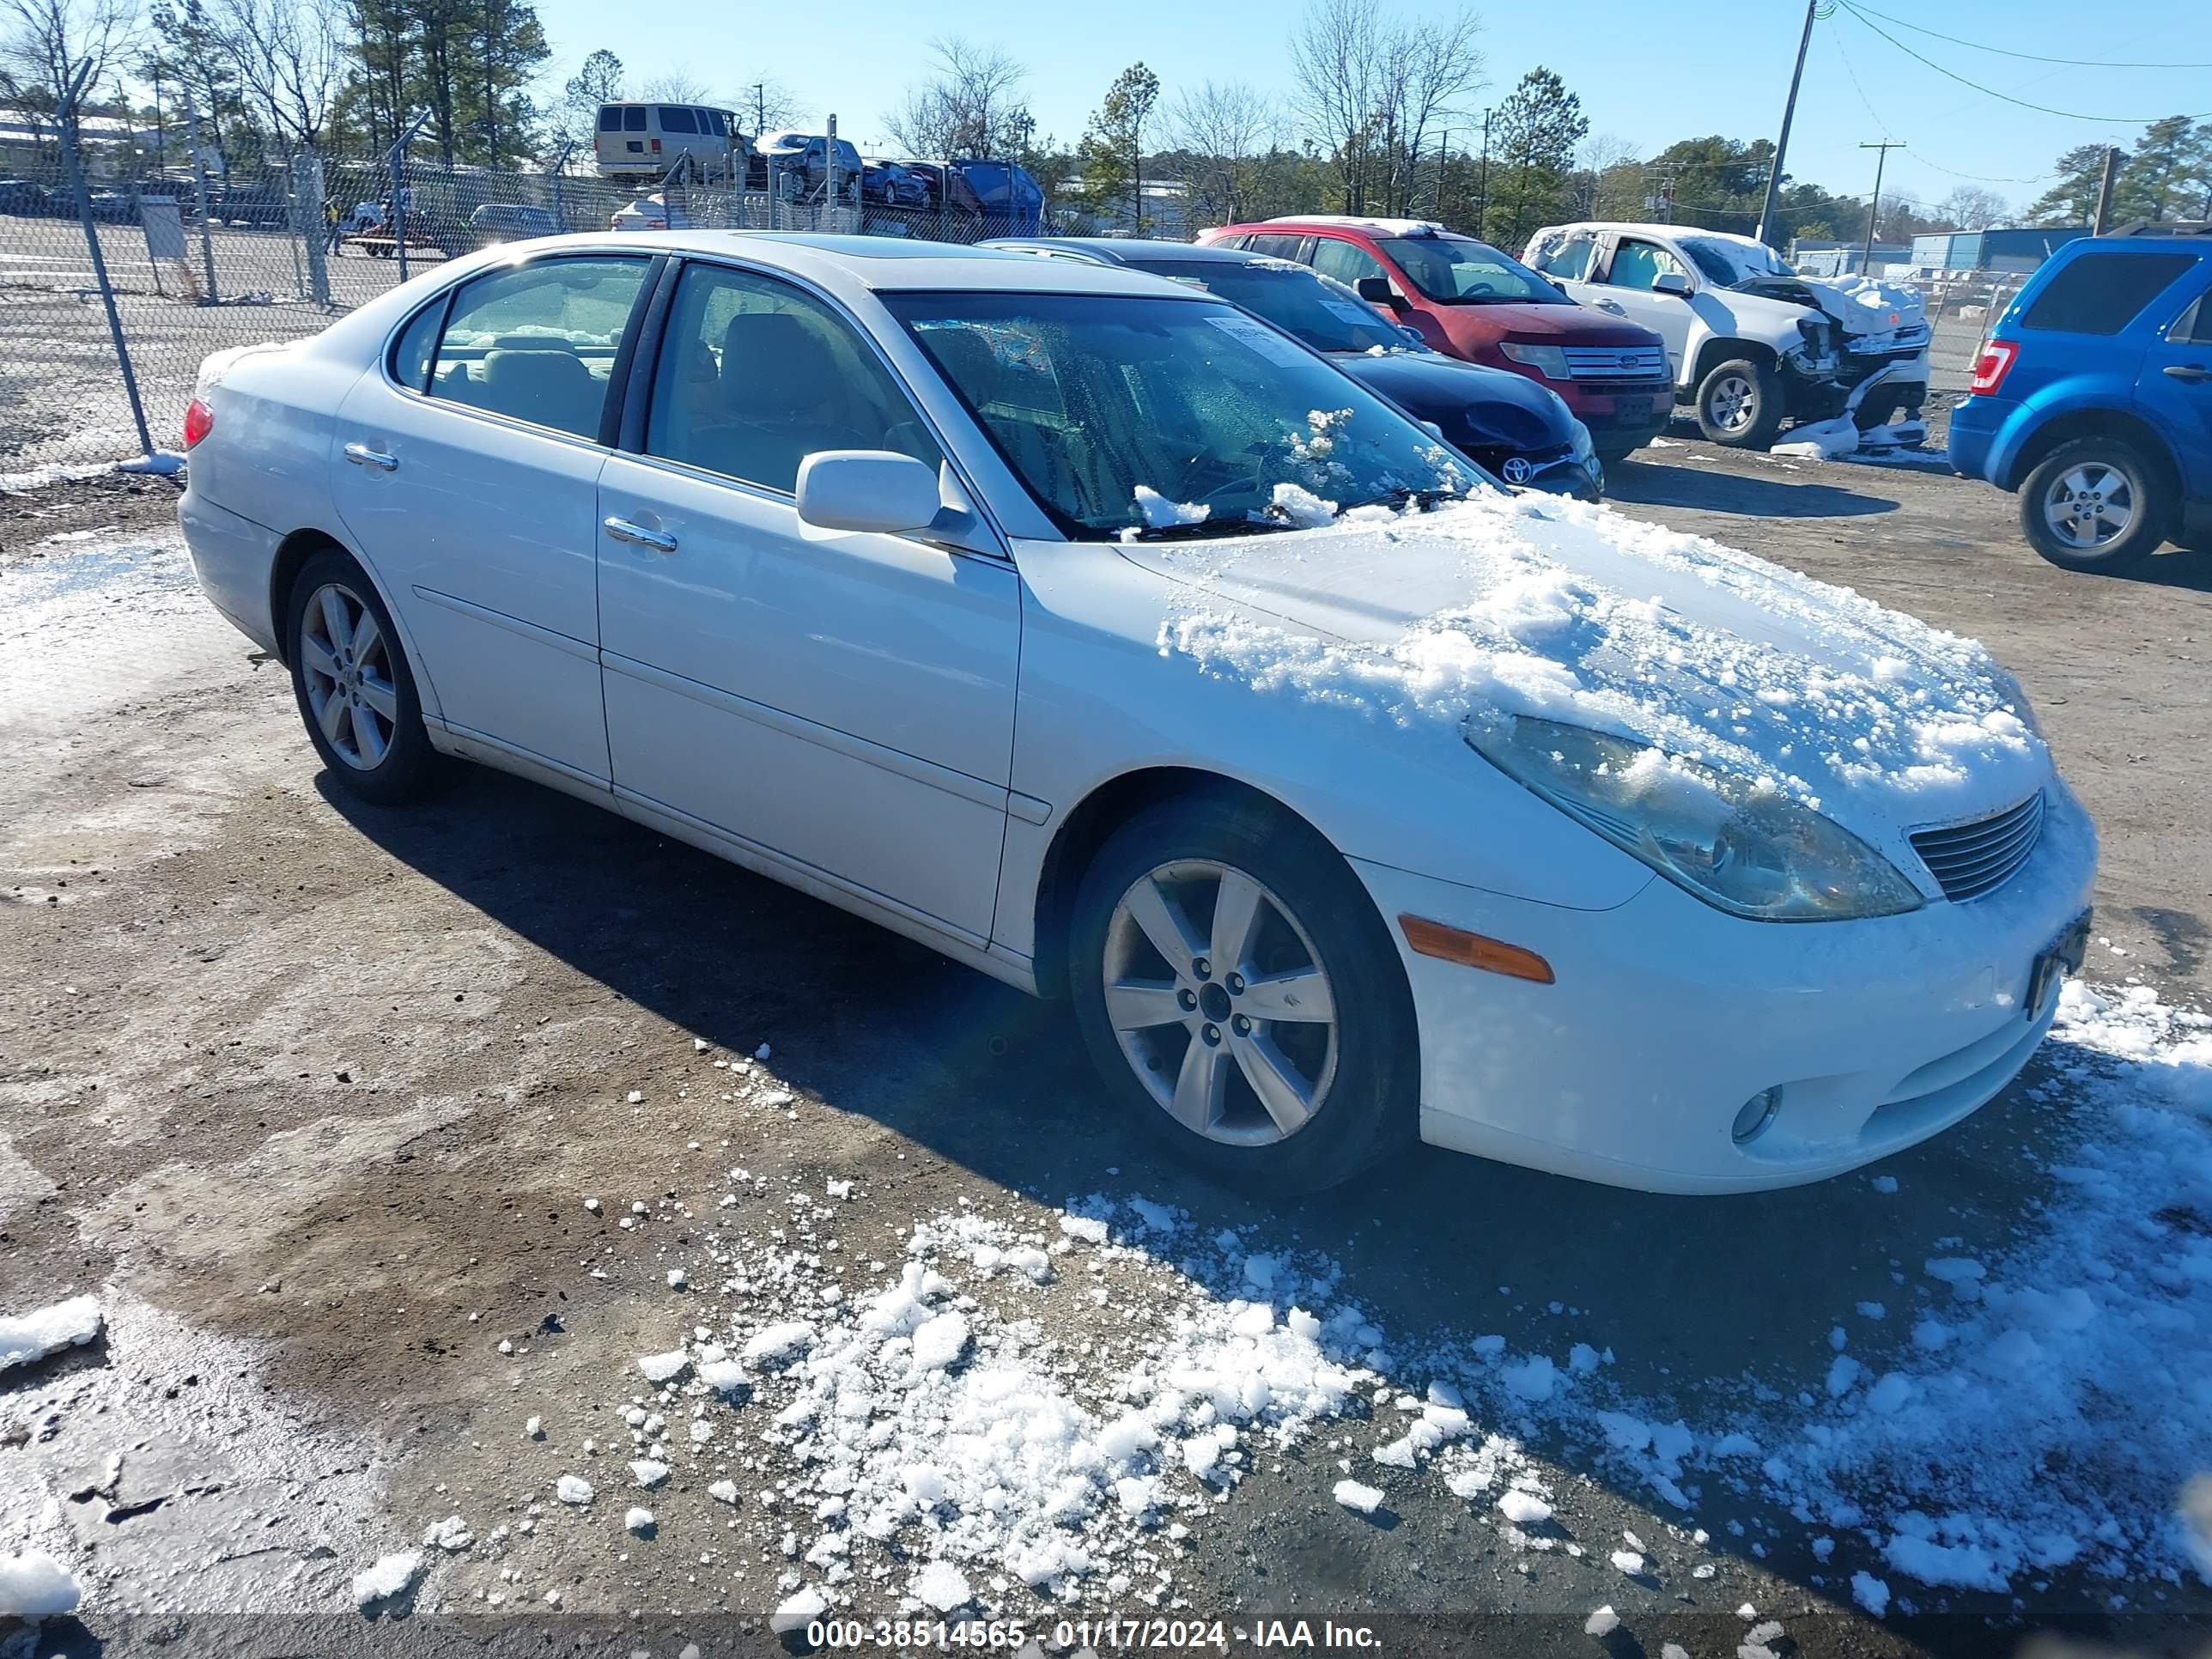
312 1094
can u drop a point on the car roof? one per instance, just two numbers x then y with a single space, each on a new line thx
1123 249
1663 233
893 263
1373 226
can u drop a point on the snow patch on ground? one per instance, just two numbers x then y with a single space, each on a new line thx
48 1330
34 1585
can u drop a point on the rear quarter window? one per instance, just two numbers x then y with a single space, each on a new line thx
2102 292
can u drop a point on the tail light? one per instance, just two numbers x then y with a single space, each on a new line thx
1990 368
199 420
656 146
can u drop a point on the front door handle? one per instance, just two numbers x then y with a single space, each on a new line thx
624 530
362 455
2189 371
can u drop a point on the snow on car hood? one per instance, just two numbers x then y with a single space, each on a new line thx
1576 613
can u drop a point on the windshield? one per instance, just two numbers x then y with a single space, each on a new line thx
1460 270
1155 417
1328 316
1730 262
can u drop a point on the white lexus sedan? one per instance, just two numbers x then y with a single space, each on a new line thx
1088 630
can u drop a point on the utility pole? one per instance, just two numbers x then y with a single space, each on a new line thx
760 107
1482 187
1882 149
2105 183
1443 159
1782 143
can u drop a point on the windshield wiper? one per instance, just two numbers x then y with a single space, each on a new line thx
1204 528
1432 497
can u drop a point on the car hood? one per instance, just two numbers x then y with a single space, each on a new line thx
1859 305
1507 604
1569 324
1483 406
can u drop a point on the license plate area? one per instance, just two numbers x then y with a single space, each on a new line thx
2062 955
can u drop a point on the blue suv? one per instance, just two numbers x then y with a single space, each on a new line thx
2093 399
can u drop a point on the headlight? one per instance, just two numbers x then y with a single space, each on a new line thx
1549 362
1741 846
1583 447
2016 695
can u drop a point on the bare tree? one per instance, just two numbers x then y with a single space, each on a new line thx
678 87
972 105
1222 129
46 43
1371 93
291 58
1970 207
1600 164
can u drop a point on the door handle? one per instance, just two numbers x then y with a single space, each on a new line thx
2189 371
624 530
362 455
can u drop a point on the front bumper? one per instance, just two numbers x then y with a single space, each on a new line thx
1667 1015
1620 417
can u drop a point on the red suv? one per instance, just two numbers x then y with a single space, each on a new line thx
1472 302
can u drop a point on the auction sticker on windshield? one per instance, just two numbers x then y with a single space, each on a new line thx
1262 339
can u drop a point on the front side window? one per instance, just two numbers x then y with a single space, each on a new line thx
1460 270
717 122
1346 261
1638 265
2102 292
1169 416
538 342
755 375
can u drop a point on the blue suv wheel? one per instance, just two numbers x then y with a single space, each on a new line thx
2095 504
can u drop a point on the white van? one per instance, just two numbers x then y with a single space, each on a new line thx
640 140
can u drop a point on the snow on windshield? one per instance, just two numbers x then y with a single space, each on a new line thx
1858 711
1732 262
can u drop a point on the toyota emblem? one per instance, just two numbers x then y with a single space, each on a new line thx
1517 470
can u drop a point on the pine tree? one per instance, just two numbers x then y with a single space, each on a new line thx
1532 143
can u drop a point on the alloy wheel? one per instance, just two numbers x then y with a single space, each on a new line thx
1729 403
1220 1003
346 663
2089 506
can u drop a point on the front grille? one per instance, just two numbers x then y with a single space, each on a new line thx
1970 859
1630 362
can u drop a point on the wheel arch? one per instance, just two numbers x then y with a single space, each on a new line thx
292 556
1721 348
2122 425
1092 821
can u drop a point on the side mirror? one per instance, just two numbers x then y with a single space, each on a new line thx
1671 281
1378 291
874 491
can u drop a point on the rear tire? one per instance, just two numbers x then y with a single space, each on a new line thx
2095 504
1739 404
1289 1064
351 679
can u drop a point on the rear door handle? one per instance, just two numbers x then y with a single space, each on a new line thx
624 530
2189 371
362 455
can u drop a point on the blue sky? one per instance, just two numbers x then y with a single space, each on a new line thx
1648 72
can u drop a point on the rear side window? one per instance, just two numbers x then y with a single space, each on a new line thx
2195 327
2102 292
610 117
1570 262
674 119
410 352
1275 247
633 118
538 342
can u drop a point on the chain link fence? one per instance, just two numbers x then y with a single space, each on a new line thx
275 252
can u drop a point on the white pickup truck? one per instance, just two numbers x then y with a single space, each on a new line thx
1750 342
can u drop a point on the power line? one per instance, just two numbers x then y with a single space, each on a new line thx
1913 156
2005 97
2029 56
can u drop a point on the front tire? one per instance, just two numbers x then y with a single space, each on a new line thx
1740 404
1240 997
351 679
2095 504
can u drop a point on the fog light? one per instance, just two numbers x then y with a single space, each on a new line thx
1757 1113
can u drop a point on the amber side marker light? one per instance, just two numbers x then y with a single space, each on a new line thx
1492 956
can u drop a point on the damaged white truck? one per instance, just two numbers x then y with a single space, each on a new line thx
1750 342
